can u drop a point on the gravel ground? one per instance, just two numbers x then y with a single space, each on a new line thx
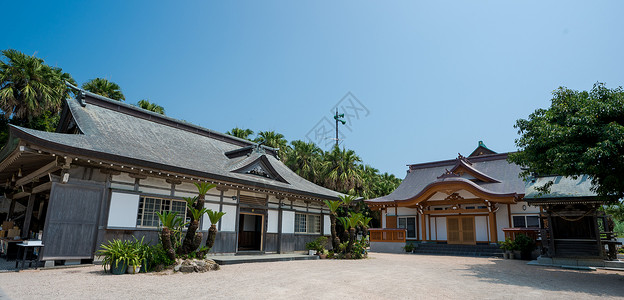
382 276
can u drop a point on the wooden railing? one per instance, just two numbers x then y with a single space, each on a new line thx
511 233
394 235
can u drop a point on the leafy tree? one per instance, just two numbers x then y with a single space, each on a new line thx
341 171
147 105
240 133
581 133
103 87
31 92
274 140
305 160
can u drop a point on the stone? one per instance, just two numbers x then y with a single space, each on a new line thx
195 265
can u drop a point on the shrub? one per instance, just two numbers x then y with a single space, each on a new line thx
409 247
508 245
524 243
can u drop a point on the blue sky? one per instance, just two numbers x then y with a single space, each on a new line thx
435 77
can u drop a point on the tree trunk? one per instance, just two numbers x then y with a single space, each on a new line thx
165 236
334 237
189 238
212 235
351 240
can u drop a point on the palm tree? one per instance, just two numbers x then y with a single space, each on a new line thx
369 177
105 88
341 171
240 133
274 140
29 88
192 239
305 160
169 221
147 105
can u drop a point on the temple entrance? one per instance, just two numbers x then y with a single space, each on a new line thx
250 232
461 230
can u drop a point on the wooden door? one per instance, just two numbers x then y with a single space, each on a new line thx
460 230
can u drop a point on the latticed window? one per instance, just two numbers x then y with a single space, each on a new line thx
149 206
305 223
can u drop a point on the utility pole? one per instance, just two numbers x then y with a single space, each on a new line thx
338 118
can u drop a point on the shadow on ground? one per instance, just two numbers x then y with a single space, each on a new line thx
515 272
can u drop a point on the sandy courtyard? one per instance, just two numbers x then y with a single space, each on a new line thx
382 276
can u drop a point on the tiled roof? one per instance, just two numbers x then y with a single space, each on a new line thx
133 135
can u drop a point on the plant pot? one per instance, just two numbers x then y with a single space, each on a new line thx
311 252
132 269
505 255
119 268
322 256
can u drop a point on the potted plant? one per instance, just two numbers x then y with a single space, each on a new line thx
409 247
145 254
115 254
508 246
525 246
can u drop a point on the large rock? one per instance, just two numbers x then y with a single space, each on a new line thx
195 265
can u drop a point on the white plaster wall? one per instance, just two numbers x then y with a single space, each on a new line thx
122 186
227 196
272 221
156 191
213 198
123 210
123 177
502 221
288 222
383 220
481 228
314 210
326 225
273 199
205 220
157 182
405 211
229 219
440 228
518 208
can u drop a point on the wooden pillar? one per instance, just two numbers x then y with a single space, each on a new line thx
279 226
597 233
509 215
423 236
493 228
551 237
28 215
11 209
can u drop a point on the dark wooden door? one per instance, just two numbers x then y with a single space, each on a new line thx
70 231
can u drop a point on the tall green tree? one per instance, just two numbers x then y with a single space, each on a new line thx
305 160
240 133
103 87
31 92
147 105
275 140
580 133
341 170
28 87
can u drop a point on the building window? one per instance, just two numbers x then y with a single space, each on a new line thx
526 221
408 223
149 206
305 223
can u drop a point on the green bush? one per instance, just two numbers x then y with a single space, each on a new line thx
116 252
524 243
508 245
318 244
409 247
160 258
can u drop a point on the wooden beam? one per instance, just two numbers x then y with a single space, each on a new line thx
43 171
21 195
455 211
451 202
493 227
28 216
423 236
42 187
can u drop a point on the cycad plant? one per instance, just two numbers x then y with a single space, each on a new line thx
169 221
333 206
214 217
195 205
